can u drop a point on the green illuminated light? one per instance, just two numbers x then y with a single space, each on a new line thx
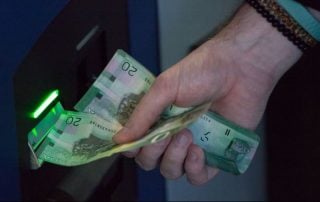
53 110
34 132
43 106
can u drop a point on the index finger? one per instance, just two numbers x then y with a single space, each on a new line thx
161 94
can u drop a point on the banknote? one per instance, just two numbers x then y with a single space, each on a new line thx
66 145
117 90
164 128
174 110
226 145
76 134
73 152
82 124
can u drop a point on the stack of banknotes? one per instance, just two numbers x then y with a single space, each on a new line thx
70 138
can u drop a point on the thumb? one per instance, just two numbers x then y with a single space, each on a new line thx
161 94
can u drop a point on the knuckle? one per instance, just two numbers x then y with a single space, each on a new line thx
182 140
161 145
171 160
170 173
154 151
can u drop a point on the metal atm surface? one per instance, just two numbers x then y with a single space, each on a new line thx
68 56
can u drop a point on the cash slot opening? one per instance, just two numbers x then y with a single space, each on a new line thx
37 134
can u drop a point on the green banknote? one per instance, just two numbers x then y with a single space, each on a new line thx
73 137
77 138
226 145
164 128
117 90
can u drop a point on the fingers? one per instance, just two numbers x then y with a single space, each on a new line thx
161 95
196 171
172 162
150 155
180 157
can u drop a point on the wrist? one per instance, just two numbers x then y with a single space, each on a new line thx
256 44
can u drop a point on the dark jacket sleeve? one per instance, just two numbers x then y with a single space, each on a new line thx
315 4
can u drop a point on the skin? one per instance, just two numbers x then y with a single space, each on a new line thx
236 71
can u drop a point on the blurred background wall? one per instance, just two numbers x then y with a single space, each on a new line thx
182 24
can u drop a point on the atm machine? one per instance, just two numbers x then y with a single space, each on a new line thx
69 54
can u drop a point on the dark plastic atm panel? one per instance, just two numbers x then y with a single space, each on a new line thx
68 56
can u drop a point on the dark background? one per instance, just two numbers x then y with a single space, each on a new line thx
293 132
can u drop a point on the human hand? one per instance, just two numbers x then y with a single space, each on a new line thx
235 71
